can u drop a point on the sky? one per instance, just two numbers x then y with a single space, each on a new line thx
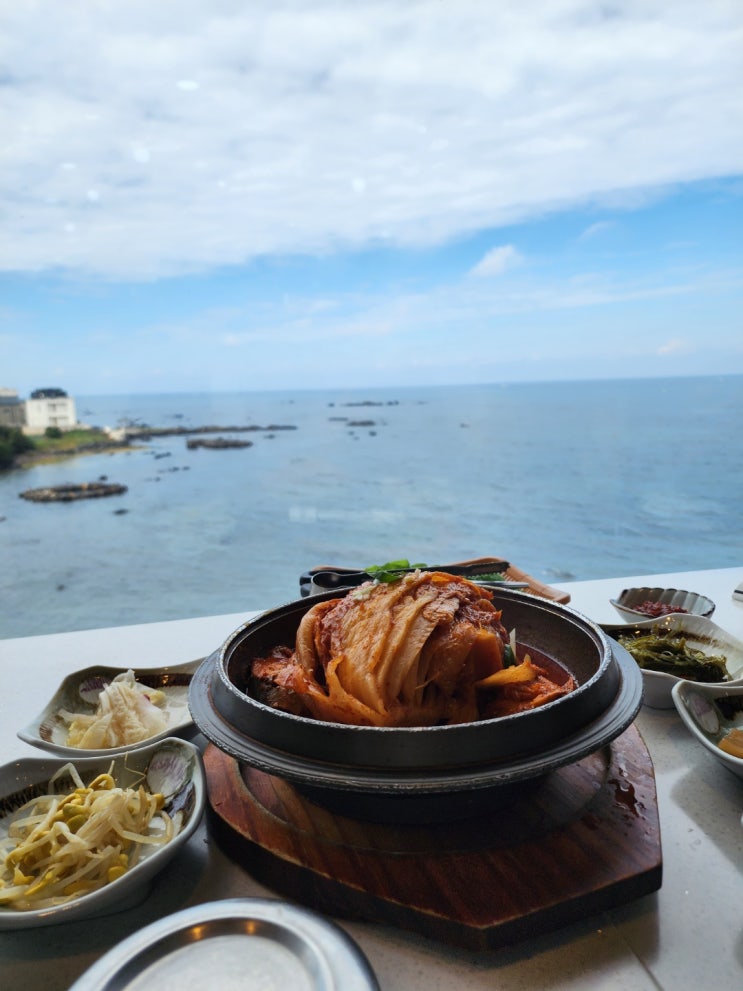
279 194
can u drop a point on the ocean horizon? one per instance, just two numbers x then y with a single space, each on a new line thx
568 480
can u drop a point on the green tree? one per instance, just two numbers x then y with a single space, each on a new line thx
12 443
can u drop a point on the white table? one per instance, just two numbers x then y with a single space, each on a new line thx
687 935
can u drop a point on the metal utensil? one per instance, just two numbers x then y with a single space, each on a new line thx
327 579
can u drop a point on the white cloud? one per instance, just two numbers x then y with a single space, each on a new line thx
675 346
217 132
595 229
496 261
468 319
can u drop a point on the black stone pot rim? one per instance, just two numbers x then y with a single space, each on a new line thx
416 782
418 746
553 607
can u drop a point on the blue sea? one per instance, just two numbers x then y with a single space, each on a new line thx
569 480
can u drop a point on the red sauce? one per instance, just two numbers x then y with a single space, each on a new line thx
650 608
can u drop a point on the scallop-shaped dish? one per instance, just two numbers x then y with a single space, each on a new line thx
68 723
654 603
700 636
714 715
72 884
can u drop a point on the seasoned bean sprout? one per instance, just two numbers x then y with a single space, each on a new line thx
59 847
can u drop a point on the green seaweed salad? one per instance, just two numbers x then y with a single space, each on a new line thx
669 652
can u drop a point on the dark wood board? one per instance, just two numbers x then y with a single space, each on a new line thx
581 840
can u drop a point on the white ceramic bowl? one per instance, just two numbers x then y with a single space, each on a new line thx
24 779
78 693
710 712
701 634
690 602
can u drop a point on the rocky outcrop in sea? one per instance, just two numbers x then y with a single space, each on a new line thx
72 492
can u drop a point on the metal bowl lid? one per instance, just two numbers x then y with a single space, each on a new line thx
235 945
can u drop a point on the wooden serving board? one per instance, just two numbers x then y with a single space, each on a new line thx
535 587
582 839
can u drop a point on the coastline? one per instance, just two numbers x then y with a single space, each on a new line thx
29 459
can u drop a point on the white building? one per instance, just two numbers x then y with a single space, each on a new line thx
50 408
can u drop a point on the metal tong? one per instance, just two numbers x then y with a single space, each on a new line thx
327 579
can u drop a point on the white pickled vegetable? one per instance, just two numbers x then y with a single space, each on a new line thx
127 712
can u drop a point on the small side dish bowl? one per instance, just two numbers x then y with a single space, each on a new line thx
79 693
714 715
171 766
654 603
700 634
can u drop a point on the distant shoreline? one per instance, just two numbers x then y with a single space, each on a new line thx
129 440
31 458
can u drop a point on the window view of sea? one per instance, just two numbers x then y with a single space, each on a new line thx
568 480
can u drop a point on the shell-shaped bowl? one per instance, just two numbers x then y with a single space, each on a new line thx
700 633
626 604
711 713
171 765
78 693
